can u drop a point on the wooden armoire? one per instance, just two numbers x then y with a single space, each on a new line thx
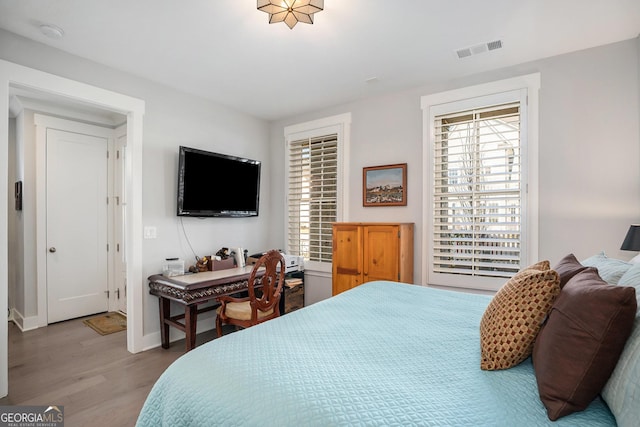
365 251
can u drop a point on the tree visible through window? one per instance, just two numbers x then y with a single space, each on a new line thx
477 195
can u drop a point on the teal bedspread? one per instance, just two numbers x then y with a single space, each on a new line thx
382 354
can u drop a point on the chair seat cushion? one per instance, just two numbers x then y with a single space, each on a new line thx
242 311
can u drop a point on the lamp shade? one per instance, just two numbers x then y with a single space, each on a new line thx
632 240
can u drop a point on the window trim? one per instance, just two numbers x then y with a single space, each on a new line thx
340 125
464 99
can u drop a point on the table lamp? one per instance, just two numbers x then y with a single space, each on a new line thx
632 241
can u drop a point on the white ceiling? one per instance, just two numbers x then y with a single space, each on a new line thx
226 51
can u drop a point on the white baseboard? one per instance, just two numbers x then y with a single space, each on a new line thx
151 341
24 323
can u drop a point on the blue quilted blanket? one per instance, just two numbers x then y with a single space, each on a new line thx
381 354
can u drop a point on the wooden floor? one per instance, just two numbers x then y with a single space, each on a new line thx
94 377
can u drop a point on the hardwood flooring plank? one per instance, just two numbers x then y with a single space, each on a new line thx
94 377
118 411
53 397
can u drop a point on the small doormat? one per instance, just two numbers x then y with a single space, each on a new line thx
107 323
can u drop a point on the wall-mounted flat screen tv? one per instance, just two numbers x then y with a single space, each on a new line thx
217 185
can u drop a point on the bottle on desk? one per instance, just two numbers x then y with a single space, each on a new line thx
239 256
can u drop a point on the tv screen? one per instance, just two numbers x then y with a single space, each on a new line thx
214 184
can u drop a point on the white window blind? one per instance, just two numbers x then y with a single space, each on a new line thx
312 196
477 195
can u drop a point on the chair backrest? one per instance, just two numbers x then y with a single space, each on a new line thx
271 281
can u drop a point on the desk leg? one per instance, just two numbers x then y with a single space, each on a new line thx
165 313
190 321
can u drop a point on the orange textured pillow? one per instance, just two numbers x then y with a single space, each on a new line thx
513 318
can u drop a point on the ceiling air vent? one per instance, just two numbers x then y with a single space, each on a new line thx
479 48
463 53
496 44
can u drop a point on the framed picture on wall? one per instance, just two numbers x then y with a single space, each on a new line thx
18 195
384 185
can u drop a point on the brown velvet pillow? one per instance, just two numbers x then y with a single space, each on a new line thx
513 318
568 267
579 345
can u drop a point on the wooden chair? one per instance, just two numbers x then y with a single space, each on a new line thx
262 303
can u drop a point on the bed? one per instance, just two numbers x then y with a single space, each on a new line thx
383 353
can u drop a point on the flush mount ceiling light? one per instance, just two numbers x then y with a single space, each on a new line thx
291 11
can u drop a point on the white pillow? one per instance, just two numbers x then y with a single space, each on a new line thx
609 269
622 391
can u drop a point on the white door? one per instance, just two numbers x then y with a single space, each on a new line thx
77 177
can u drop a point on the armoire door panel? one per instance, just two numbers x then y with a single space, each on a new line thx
381 253
364 252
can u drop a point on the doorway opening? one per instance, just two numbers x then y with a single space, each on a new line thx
65 90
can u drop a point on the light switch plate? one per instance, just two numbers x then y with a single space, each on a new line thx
150 232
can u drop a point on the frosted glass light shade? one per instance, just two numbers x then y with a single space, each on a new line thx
291 11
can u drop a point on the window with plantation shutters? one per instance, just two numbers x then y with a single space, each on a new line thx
312 196
480 183
477 193
315 156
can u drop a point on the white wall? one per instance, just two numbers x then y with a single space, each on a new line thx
13 218
171 119
589 150
26 284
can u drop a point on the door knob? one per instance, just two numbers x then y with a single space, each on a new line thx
52 249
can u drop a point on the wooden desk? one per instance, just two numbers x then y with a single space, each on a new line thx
191 290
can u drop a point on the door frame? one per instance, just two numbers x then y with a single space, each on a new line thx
43 122
12 74
118 237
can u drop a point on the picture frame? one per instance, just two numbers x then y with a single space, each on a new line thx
18 195
384 185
